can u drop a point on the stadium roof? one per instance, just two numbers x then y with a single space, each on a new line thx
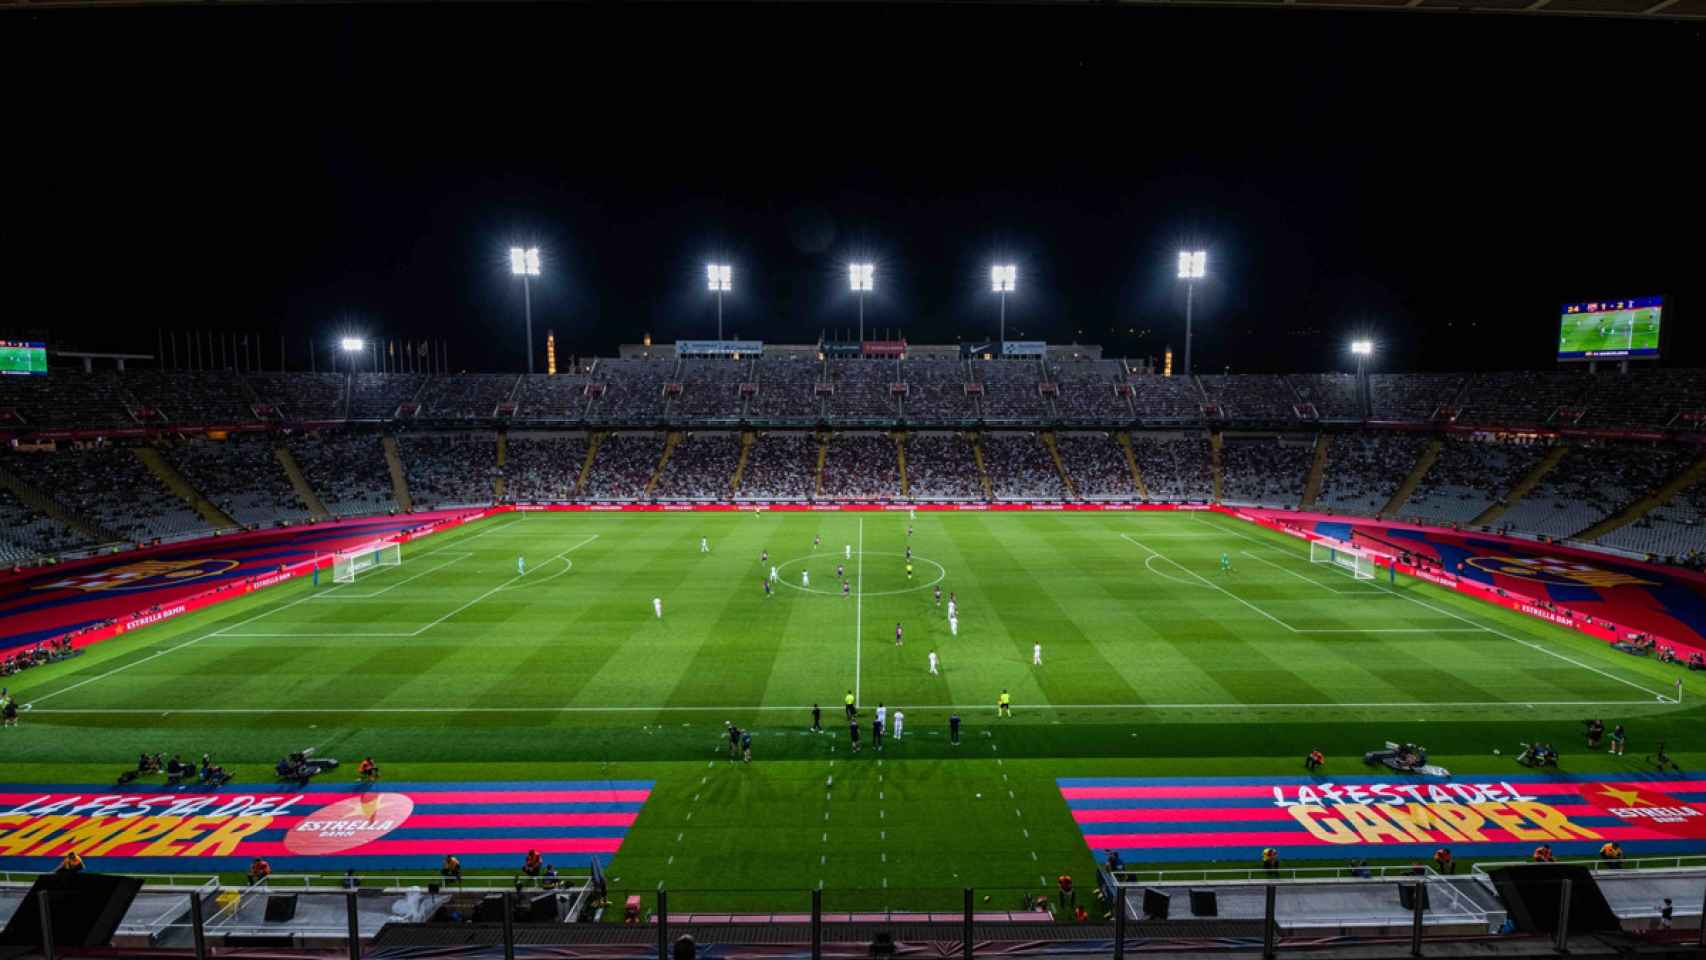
1635 9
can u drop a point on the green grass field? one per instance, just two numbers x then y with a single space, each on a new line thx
1616 330
452 666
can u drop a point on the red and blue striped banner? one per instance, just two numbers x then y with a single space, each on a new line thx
320 827
1363 817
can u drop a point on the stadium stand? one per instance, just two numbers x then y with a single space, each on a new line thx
861 466
941 466
936 390
542 397
1524 398
1096 465
1264 471
1019 467
449 469
623 465
68 399
1469 477
469 396
543 466
711 388
112 489
1251 396
1334 395
1010 389
377 396
1591 482
26 535
632 388
781 466
700 467
1166 399
1645 397
1413 397
200 397
1364 470
300 396
347 471
787 390
241 477
1174 466
1674 531
1087 390
863 389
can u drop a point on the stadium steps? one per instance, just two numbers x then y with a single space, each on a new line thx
900 454
499 488
1401 496
399 478
46 505
822 455
1317 473
299 483
747 439
592 443
1522 487
1047 437
982 472
1214 444
669 444
180 485
1644 505
1124 440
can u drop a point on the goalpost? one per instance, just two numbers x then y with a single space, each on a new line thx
348 565
1359 562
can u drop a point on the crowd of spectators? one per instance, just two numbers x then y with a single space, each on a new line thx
542 466
623 466
1591 482
861 466
377 396
1086 389
1174 466
1019 467
1096 464
449 469
467 396
67 399
1468 477
300 396
26 534
240 476
700 467
942 466
346 470
711 388
1646 397
1166 399
110 488
864 389
1264 471
544 397
632 388
206 396
1524 398
1364 470
1010 389
781 466
1251 396
1674 530
1333 394
936 390
1413 397
787 389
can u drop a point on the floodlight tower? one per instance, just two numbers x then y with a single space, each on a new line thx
721 278
862 277
353 345
524 263
1362 349
1003 279
1193 266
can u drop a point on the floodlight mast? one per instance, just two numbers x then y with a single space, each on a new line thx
524 263
720 277
1362 349
1003 278
1193 266
862 278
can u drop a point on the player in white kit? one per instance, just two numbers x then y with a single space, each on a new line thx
704 545
521 566
847 551
657 605
953 609
805 578
954 626
883 716
773 576
898 719
933 670
1036 654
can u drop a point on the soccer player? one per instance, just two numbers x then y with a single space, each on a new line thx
853 733
909 552
840 571
766 585
877 732
817 719
817 541
520 566
911 513
1225 563
938 595
805 578
882 714
954 729
847 551
734 739
846 589
773 574
657 605
851 710
933 671
1036 654
899 721
897 633
1004 705
704 545
909 530
746 746
909 569
953 625
764 556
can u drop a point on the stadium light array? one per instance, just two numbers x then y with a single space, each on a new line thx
524 262
1193 264
862 277
353 344
1003 277
721 277
1362 348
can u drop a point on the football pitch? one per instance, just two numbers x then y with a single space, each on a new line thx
457 665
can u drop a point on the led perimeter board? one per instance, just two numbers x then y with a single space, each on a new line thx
1610 329
23 358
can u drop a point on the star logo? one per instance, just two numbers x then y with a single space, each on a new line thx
1626 798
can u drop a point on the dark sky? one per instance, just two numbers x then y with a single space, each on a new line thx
1441 182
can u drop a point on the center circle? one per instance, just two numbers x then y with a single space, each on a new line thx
782 578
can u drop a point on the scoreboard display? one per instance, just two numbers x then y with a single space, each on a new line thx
23 358
1610 329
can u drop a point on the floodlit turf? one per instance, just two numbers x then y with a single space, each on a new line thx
1154 662
1616 330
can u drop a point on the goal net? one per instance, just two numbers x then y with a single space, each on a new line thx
348 565
1359 563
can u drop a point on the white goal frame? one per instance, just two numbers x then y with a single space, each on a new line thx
1360 563
348 565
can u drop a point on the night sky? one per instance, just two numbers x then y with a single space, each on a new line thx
1439 182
